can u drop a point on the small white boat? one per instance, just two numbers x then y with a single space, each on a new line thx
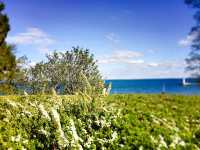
184 82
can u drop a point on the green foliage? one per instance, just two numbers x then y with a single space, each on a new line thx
158 121
7 62
7 68
7 57
115 122
4 24
75 71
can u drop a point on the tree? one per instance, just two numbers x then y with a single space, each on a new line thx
193 61
7 68
7 57
7 62
72 71
4 24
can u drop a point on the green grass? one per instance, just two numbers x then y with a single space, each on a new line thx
114 122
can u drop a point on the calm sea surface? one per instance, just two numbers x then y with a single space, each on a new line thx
174 86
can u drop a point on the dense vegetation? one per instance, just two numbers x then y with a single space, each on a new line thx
113 122
85 120
67 72
7 58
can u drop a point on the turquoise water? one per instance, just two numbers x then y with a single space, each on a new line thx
173 86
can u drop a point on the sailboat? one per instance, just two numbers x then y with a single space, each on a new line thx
184 82
163 89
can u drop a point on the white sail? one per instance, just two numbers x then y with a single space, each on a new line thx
184 82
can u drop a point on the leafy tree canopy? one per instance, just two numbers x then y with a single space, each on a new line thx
7 57
72 71
4 24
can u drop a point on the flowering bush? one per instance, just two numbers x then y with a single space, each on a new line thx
113 122
54 122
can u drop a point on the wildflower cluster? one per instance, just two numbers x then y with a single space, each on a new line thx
54 122
113 122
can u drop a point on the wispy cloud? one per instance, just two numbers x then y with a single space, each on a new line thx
153 64
122 56
132 64
133 58
144 69
189 39
114 38
166 64
35 37
125 54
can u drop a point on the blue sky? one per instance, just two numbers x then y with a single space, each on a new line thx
129 38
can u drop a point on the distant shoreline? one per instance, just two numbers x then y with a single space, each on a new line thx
154 78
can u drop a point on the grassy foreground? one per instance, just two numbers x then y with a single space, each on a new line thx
114 122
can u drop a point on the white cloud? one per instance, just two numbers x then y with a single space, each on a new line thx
153 64
189 39
140 71
124 65
35 37
166 64
126 54
137 61
122 56
112 37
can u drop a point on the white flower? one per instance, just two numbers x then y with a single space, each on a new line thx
141 148
197 148
89 121
182 143
176 140
43 112
5 119
121 145
74 133
89 142
44 132
118 113
11 103
75 137
32 104
80 147
25 93
12 138
84 131
102 122
20 105
15 138
27 113
114 136
25 141
8 112
153 139
97 122
162 142
63 142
